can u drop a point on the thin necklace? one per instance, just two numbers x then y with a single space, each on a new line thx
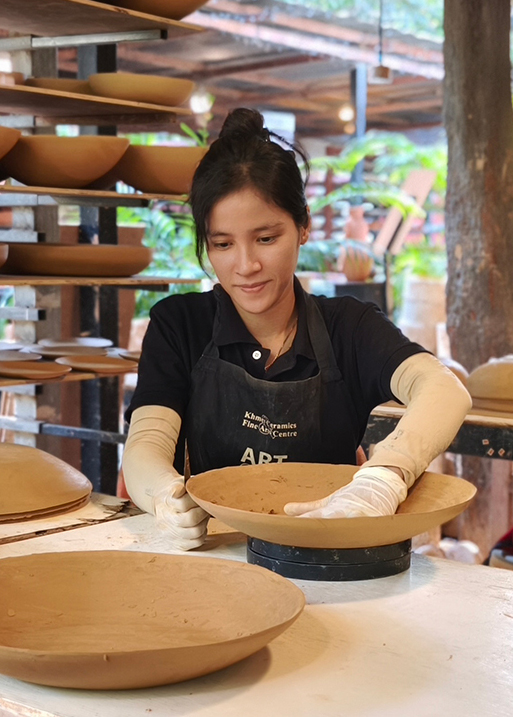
287 337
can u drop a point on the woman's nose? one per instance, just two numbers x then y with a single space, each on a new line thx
248 262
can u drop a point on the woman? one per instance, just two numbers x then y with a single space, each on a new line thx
258 371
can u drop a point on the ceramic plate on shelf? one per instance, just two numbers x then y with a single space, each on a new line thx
98 364
68 350
251 499
41 259
32 370
130 619
130 355
12 346
168 91
13 355
94 341
34 481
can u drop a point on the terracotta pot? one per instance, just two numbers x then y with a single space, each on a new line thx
356 263
356 227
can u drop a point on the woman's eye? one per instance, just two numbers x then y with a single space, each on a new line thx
267 240
220 245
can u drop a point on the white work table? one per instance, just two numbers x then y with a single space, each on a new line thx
436 640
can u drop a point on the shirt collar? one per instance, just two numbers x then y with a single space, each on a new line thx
229 328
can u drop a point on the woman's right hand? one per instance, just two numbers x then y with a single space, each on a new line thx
184 522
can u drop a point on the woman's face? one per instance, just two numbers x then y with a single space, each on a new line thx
253 246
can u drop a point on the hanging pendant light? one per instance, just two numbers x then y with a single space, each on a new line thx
380 74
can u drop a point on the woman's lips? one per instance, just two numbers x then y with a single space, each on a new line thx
252 288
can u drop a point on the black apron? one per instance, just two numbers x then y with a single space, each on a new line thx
233 418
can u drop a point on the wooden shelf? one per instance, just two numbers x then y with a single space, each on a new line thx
130 282
60 107
54 18
91 197
473 418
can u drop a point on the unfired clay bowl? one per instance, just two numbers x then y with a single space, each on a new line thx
76 260
172 9
8 138
119 620
251 499
168 91
491 385
61 84
160 170
68 162
32 480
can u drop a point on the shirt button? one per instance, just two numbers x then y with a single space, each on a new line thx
256 355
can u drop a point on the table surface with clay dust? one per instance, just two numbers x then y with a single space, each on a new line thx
436 640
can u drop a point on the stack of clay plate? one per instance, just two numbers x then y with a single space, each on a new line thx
130 619
98 364
491 386
35 484
251 499
26 364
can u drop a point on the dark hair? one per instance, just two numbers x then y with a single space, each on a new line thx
246 155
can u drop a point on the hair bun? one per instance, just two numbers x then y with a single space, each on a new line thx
244 123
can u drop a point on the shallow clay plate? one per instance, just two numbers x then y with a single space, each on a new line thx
153 89
76 260
121 620
130 355
34 481
14 355
251 499
94 341
32 369
67 350
46 513
98 364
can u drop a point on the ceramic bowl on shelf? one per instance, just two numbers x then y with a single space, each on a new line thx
117 619
41 259
160 170
171 9
67 162
251 499
153 89
34 481
8 138
61 84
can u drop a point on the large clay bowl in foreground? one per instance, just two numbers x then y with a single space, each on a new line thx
121 620
160 170
68 162
32 481
251 499
42 259
172 9
169 91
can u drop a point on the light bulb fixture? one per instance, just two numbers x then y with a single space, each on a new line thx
380 74
346 112
201 101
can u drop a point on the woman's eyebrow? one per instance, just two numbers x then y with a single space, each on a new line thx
256 230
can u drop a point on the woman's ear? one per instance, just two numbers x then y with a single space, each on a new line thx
305 231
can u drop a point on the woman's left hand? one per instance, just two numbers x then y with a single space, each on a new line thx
374 491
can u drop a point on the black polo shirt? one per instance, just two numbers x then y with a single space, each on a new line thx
367 347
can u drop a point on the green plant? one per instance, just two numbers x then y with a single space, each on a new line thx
421 259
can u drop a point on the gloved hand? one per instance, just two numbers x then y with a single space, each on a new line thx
179 516
374 491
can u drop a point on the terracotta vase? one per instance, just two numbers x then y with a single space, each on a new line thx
356 263
356 226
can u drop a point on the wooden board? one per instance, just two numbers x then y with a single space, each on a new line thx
93 197
474 417
81 17
121 281
71 107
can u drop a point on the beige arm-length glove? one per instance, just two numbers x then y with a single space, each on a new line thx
152 482
437 404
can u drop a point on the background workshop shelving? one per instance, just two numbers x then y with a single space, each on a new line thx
37 30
